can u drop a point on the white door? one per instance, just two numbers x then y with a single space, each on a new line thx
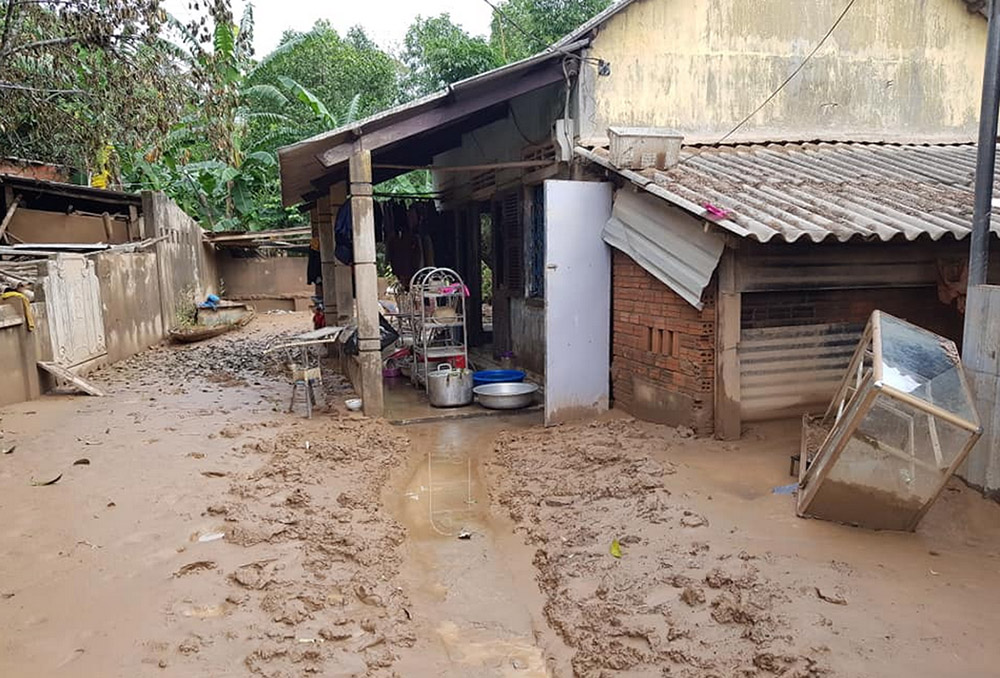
577 300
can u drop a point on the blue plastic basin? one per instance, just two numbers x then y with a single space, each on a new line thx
497 377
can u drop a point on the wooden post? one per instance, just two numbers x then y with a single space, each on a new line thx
339 294
366 282
473 275
130 228
727 338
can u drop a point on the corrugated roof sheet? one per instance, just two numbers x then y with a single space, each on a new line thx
665 242
822 191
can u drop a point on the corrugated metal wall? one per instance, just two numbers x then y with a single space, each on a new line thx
785 371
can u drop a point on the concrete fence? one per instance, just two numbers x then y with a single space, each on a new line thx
94 309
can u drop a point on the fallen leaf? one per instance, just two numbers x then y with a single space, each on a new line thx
616 548
55 480
82 462
831 597
214 536
196 566
934 573
213 474
10 450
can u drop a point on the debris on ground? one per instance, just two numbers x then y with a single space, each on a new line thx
616 614
834 598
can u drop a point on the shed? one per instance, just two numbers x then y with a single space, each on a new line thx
744 275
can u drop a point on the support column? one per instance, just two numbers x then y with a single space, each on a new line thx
728 422
322 228
341 295
366 282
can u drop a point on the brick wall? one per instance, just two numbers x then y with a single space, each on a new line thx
663 350
918 305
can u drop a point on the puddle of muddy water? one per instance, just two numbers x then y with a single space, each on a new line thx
475 602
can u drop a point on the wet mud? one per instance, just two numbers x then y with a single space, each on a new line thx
213 533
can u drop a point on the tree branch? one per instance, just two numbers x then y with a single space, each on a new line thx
8 25
52 42
43 90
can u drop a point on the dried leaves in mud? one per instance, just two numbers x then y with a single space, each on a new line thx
321 588
671 604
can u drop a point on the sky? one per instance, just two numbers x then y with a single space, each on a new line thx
385 21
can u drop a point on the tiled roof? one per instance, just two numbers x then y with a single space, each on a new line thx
821 191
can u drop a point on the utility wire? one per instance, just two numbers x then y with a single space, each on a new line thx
540 41
782 86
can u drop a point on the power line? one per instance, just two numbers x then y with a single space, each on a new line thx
526 33
782 86
540 41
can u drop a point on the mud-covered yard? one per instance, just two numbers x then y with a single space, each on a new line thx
198 529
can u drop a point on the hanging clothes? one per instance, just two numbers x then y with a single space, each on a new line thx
314 269
344 235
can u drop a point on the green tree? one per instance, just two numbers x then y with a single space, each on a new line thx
333 68
437 52
77 78
218 162
524 27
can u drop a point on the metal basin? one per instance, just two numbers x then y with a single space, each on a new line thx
508 396
449 388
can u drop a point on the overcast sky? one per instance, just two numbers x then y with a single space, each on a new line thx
385 21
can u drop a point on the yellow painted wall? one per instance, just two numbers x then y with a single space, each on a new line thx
894 69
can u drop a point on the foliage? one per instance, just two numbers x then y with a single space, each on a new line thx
219 161
437 52
333 68
525 27
76 77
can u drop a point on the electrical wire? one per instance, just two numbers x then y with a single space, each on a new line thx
782 86
539 41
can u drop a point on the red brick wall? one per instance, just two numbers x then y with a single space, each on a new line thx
34 170
918 305
672 386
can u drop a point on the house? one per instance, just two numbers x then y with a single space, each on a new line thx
737 274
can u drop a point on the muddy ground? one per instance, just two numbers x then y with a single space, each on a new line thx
213 533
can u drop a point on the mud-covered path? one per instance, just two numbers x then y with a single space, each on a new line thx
477 610
212 533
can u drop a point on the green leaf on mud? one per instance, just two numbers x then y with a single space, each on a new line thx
616 548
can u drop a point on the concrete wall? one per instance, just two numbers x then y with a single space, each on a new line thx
126 304
265 282
130 300
893 69
19 350
183 259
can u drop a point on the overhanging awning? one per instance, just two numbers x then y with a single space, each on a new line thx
666 242
413 133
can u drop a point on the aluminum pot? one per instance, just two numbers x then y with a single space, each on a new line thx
507 396
448 387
